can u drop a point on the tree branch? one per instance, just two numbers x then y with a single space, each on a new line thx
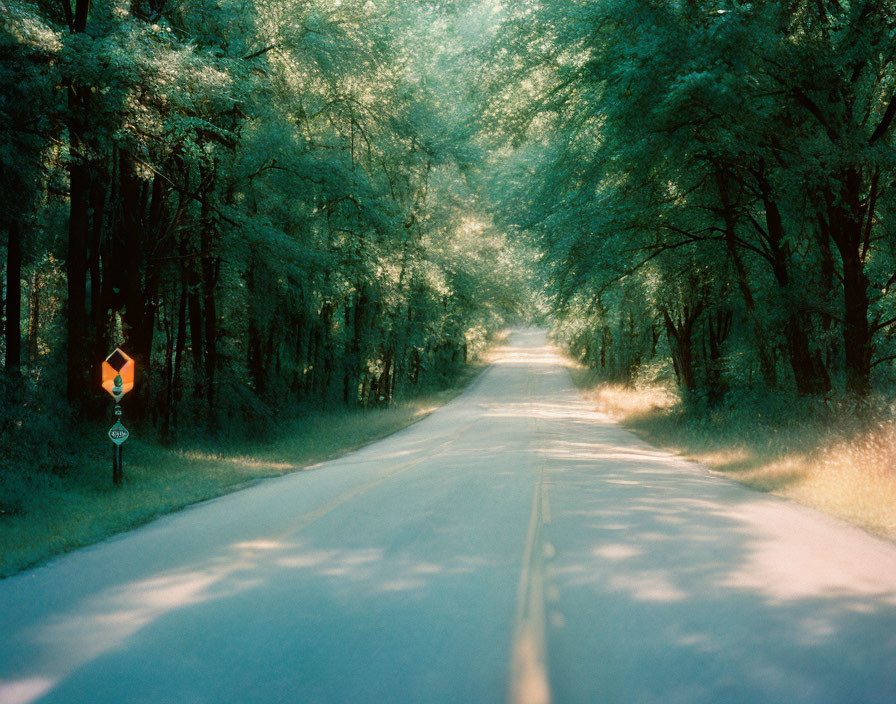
880 326
816 112
885 122
256 54
888 358
67 9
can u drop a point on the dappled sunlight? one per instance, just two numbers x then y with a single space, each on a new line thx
355 565
780 556
648 585
538 409
528 348
547 356
117 613
850 477
247 463
425 411
641 452
24 690
726 458
256 464
255 545
401 585
641 553
371 566
103 623
616 552
696 570
598 453
701 557
619 401
784 561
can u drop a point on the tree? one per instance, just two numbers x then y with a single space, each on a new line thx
680 133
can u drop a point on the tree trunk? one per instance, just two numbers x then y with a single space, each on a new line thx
169 376
137 279
326 351
311 379
76 256
98 318
254 357
76 268
809 371
97 206
34 288
179 352
383 388
194 308
679 331
845 221
415 366
767 365
856 331
210 269
14 298
718 329
300 352
349 355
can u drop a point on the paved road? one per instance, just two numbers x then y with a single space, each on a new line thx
514 546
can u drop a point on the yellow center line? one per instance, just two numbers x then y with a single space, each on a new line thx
529 682
528 668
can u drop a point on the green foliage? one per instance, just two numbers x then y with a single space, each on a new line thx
714 178
267 204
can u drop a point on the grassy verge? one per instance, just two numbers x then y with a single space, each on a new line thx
49 512
818 457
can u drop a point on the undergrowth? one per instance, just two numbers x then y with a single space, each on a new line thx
58 495
837 458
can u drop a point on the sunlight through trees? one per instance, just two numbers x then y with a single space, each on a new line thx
263 202
711 185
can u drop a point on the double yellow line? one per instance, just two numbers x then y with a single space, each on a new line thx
529 682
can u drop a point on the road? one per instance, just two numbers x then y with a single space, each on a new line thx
514 546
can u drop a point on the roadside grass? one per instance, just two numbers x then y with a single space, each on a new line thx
828 459
57 507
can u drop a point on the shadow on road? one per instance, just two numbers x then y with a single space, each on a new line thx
663 583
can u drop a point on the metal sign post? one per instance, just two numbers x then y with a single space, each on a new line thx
118 379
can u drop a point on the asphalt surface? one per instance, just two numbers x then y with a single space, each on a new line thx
513 546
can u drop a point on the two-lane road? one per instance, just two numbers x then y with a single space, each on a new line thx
514 545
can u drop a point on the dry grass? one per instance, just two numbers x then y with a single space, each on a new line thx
52 513
833 464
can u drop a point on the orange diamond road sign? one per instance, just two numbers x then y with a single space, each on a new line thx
118 364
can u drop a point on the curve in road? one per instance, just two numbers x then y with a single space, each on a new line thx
515 545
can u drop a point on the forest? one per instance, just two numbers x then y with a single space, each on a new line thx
711 187
263 203
332 202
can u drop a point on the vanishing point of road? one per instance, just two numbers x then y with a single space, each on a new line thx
514 546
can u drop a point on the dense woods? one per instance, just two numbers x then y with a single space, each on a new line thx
334 202
262 202
711 184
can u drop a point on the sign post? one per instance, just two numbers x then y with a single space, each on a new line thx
118 379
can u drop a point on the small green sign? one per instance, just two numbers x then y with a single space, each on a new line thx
118 433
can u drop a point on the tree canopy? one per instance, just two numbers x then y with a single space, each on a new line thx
710 184
331 201
262 202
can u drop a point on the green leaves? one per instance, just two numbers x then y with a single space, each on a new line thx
684 152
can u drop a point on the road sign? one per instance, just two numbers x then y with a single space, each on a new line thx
118 364
118 433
